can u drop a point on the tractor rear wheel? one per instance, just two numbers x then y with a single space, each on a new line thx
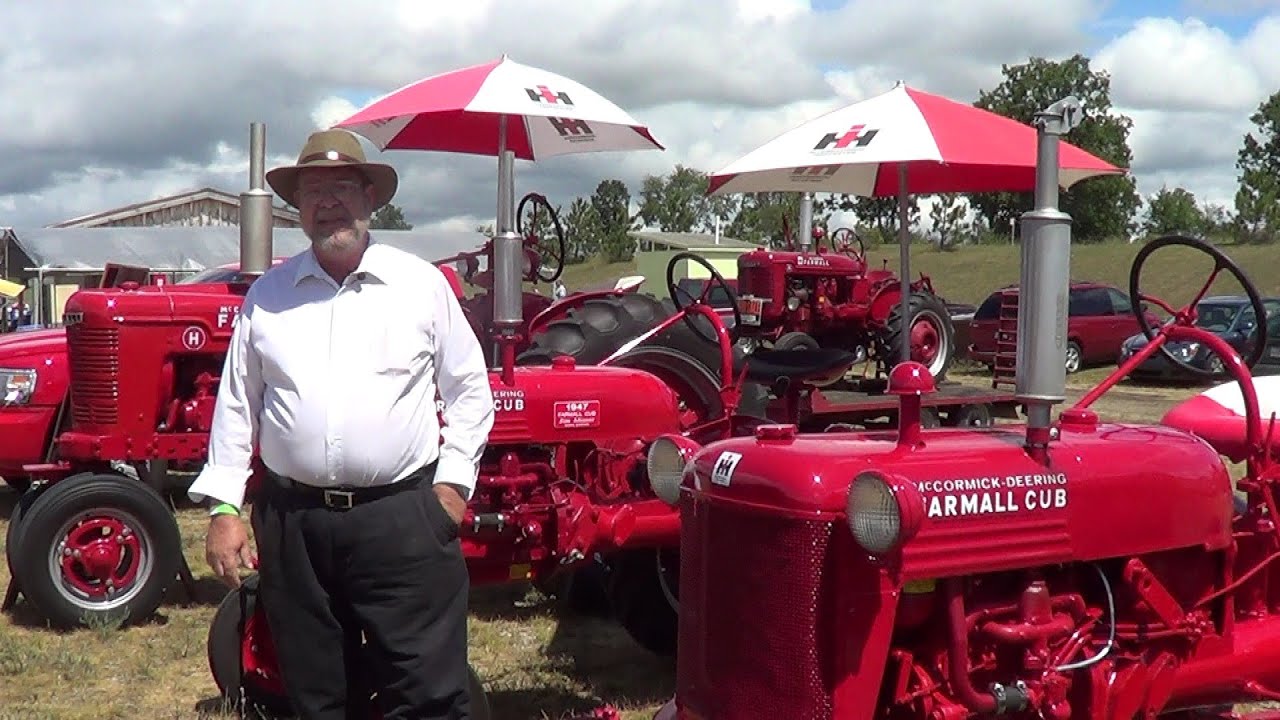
97 549
933 336
644 590
239 622
601 326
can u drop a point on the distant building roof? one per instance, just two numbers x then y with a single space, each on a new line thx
691 241
206 206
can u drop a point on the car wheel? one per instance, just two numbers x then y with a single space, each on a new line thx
1073 356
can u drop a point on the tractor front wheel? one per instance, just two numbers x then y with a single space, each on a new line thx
932 335
97 549
644 591
243 661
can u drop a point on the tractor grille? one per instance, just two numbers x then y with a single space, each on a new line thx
753 623
93 357
757 281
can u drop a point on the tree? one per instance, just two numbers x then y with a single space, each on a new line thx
1173 211
611 202
761 218
582 231
947 216
1258 197
389 217
877 217
1100 208
675 202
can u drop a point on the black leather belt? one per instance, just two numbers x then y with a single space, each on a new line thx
345 498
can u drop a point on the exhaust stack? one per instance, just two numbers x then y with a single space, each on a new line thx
255 208
1042 292
804 233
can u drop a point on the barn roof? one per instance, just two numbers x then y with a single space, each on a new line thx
281 212
195 248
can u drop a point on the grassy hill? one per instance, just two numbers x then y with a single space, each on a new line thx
970 273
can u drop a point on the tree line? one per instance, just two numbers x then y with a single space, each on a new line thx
1102 209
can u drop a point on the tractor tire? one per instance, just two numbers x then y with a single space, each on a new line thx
225 644
940 350
593 332
13 533
122 527
644 589
976 415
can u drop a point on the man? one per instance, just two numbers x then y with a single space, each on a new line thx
332 373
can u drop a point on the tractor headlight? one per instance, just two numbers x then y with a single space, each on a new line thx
665 464
793 303
882 512
16 386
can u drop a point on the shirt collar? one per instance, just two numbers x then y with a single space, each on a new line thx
375 262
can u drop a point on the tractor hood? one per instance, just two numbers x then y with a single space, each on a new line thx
972 495
217 303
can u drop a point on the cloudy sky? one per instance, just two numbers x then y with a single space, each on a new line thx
106 104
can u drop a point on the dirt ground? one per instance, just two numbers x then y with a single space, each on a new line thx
533 664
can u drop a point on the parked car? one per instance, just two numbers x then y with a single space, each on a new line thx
1230 317
1099 320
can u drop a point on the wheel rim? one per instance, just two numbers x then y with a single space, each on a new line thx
102 559
1073 358
926 342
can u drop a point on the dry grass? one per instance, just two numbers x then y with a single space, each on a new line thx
534 665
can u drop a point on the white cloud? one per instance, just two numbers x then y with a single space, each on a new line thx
107 105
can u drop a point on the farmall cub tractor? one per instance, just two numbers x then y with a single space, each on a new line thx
1070 569
563 478
815 297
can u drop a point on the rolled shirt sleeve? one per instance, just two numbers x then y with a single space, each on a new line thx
237 410
462 379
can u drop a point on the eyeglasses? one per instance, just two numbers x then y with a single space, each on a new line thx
338 189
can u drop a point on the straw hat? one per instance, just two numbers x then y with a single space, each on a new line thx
334 148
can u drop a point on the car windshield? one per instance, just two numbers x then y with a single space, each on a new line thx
1216 317
211 275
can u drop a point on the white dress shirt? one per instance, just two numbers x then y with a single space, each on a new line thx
337 385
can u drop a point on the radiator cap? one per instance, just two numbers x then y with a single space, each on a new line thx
563 362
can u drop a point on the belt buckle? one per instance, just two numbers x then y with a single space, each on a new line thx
348 499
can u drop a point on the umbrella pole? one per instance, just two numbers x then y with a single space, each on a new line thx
508 315
904 261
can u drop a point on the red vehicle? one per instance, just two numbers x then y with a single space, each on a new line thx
563 478
832 299
33 373
1099 319
1071 568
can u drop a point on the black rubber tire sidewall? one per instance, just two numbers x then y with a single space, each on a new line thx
77 494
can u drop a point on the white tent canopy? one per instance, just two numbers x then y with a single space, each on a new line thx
89 249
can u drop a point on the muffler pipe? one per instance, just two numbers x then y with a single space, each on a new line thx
804 233
1042 292
255 208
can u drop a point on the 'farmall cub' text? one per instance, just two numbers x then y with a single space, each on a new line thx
994 495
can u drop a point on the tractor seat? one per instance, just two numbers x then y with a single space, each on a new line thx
1217 416
769 366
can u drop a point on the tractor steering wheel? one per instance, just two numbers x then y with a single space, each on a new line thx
540 199
1187 315
845 233
716 279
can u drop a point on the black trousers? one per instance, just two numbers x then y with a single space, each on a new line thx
389 572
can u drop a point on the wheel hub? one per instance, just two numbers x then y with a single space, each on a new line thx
100 556
924 342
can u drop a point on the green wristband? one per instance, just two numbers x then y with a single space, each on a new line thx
225 509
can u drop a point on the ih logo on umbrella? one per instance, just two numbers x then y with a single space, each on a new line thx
542 92
858 136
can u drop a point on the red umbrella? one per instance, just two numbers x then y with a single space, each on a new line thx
946 146
500 108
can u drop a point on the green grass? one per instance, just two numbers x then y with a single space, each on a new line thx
970 273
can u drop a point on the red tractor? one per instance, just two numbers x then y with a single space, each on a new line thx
1067 569
563 480
798 299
